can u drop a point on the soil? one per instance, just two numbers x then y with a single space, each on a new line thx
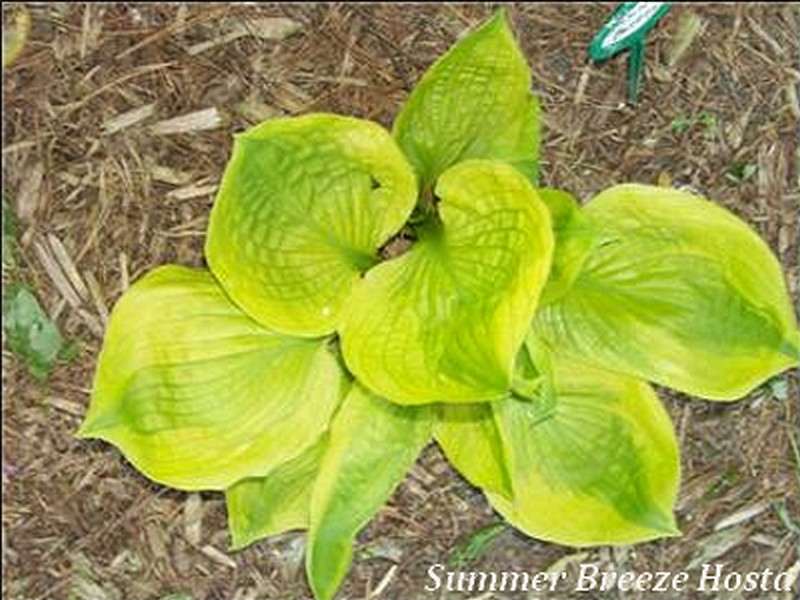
718 114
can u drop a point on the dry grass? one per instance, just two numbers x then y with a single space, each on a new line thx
117 124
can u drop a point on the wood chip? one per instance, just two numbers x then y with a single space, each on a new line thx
579 92
124 274
292 98
90 31
17 146
791 96
765 540
743 515
218 556
97 296
255 110
30 193
385 581
59 280
194 190
201 120
65 109
193 519
71 408
157 540
777 49
91 321
128 119
68 267
715 545
793 575
562 563
267 28
169 175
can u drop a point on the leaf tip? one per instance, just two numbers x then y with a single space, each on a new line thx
95 426
664 524
239 541
791 347
86 431
500 14
499 20
319 588
241 534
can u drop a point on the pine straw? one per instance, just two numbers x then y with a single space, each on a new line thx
105 198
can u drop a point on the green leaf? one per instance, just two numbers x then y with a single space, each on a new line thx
196 394
575 238
30 333
594 462
259 507
444 321
475 545
468 436
372 445
677 291
740 172
303 207
474 102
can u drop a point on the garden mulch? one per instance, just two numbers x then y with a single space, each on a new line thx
96 164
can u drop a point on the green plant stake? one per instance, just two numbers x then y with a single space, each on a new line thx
627 29
302 375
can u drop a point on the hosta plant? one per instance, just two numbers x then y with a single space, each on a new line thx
303 373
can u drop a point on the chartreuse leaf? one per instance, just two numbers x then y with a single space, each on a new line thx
468 436
196 394
303 207
678 291
575 238
444 321
593 462
474 102
263 506
372 445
